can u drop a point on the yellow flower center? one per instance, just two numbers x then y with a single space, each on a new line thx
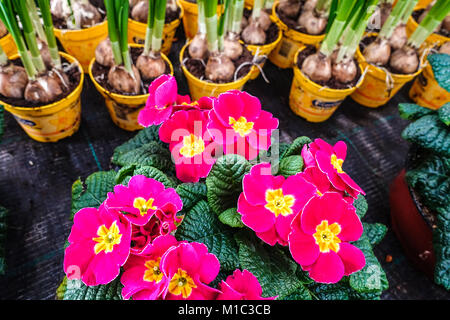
143 205
181 283
192 146
277 203
337 163
326 236
107 238
241 126
153 274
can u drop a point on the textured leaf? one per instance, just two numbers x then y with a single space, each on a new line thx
302 293
441 246
290 166
274 269
411 111
232 218
224 182
2 122
77 290
144 136
441 68
191 193
125 172
361 206
3 230
154 173
93 192
444 113
335 291
372 278
61 290
151 154
200 224
375 232
296 147
431 133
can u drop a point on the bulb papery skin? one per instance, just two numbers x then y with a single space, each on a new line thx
121 80
290 8
45 53
263 21
244 23
13 81
232 47
254 34
309 5
345 71
312 22
3 30
445 48
405 60
399 38
133 3
60 9
378 52
85 14
446 24
198 46
385 11
219 68
44 89
140 11
104 54
151 66
317 67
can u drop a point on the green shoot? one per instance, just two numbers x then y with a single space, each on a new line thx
50 35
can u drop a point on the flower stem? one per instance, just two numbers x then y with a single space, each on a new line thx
113 31
160 16
49 34
211 25
150 26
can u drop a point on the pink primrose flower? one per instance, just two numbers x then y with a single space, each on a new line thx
242 285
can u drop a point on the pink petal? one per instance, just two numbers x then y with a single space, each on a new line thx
340 149
351 226
352 258
328 268
252 106
256 218
271 237
229 104
303 248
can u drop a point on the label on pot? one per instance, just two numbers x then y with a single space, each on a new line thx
326 104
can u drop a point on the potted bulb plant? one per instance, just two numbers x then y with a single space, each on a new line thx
303 23
420 195
325 76
80 25
137 26
40 86
230 209
191 16
122 73
431 88
393 58
211 72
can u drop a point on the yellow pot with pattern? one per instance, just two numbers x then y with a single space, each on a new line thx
137 31
82 43
283 55
190 17
312 101
8 45
54 121
124 109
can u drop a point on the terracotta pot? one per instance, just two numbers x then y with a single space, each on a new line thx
410 225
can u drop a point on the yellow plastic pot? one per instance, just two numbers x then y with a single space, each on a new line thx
123 109
423 4
249 3
263 50
8 45
426 91
190 17
432 40
54 121
378 86
200 88
284 53
82 43
137 31
312 101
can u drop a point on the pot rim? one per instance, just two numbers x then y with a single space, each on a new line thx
176 21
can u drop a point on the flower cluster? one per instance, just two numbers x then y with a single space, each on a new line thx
133 229
199 132
312 212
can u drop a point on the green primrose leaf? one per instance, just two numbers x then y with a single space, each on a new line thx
232 218
77 290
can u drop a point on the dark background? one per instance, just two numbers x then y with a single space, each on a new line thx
36 179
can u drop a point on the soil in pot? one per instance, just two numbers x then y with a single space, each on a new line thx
366 41
73 74
416 15
141 16
332 83
292 21
197 67
100 74
271 32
